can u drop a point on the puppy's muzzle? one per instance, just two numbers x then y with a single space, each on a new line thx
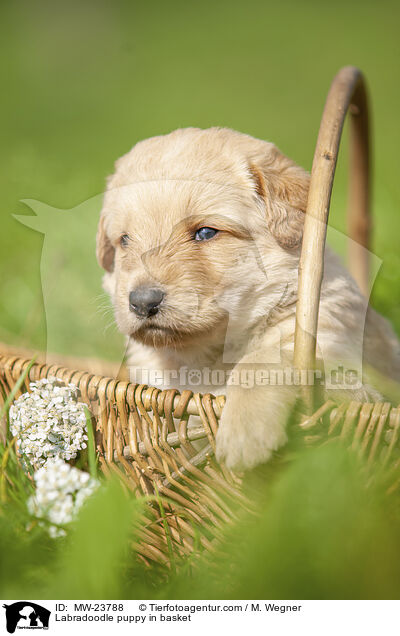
145 301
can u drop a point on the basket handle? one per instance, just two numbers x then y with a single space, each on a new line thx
347 92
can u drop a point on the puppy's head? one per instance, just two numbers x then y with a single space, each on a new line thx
198 228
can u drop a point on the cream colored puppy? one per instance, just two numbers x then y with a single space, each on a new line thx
200 238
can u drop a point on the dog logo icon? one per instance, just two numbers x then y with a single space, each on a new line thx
26 615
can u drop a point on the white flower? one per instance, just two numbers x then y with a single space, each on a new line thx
61 490
49 422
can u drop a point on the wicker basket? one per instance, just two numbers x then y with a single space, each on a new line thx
136 435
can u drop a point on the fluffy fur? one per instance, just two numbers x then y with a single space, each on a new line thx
230 301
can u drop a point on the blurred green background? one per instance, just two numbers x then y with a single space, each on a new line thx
83 81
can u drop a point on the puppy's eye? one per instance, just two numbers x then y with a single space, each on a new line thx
124 240
205 234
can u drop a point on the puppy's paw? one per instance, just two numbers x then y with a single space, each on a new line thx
250 430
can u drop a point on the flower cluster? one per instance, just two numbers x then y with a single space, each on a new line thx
48 422
60 492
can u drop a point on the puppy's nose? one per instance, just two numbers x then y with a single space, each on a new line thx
145 301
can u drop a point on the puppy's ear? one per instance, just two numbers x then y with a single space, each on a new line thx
104 249
283 187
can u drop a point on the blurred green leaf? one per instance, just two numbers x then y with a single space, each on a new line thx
98 548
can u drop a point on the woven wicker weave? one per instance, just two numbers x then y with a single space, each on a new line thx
137 434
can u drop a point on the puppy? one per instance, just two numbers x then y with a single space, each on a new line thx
200 237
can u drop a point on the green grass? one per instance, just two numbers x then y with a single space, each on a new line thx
82 82
323 526
319 532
